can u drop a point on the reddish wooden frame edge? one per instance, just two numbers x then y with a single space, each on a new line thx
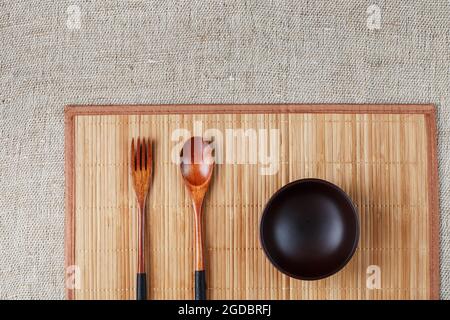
428 110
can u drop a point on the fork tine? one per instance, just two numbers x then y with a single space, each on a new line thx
139 153
133 156
149 154
144 154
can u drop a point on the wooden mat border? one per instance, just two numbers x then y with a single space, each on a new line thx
429 110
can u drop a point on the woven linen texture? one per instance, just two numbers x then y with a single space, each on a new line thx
55 53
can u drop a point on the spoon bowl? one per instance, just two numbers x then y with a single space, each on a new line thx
197 161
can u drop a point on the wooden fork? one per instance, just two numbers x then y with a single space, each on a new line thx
141 171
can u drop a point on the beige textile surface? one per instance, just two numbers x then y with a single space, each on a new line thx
158 52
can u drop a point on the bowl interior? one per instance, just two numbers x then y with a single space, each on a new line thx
309 229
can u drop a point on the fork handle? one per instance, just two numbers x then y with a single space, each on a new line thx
141 286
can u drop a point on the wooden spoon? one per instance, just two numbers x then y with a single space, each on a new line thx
197 163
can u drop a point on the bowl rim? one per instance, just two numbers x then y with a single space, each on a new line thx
295 183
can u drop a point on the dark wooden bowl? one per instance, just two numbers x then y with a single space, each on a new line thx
309 229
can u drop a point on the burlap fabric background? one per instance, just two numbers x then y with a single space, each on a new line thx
191 52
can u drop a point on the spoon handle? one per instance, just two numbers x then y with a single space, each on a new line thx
141 286
200 281
200 285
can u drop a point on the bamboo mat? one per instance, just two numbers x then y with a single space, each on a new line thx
382 156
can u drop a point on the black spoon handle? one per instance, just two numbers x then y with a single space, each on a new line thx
200 285
141 286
